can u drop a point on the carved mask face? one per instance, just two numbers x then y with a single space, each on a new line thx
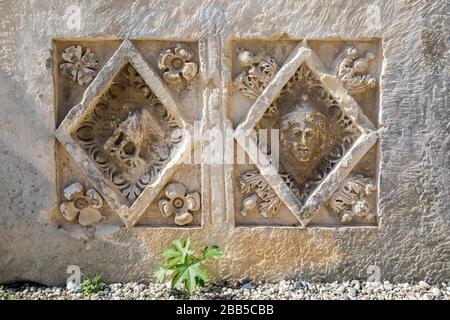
303 134
125 143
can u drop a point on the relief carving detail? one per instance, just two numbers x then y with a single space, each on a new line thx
78 66
304 132
352 70
262 198
259 71
177 65
316 132
130 134
81 206
353 199
127 134
179 203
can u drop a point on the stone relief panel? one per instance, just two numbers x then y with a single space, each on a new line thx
124 129
129 134
320 136
125 113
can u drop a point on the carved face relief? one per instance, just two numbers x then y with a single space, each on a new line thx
303 134
125 143
129 134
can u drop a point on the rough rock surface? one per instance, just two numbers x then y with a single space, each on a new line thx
411 243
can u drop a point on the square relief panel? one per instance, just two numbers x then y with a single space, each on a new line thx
125 112
307 121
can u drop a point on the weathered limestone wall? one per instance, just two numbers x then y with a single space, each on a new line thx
404 121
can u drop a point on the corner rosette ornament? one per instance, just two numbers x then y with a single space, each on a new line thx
81 205
77 66
179 203
177 65
352 70
353 199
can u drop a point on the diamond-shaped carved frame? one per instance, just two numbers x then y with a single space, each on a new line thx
126 53
302 54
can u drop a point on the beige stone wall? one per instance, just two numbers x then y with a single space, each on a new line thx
400 143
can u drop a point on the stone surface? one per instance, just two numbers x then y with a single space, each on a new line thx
384 66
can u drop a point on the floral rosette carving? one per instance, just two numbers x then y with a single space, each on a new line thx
352 70
81 205
353 199
77 66
177 65
179 203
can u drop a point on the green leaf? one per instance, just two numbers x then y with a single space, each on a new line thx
212 252
182 247
178 245
173 257
190 283
200 273
186 245
161 274
190 274
183 267
179 275
171 253
91 285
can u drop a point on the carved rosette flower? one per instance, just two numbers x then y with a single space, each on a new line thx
177 65
77 66
179 203
352 70
353 199
81 205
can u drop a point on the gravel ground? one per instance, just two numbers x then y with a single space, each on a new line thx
350 290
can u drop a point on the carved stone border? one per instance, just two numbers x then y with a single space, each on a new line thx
302 54
124 54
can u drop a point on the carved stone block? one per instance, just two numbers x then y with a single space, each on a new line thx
322 135
306 139
127 134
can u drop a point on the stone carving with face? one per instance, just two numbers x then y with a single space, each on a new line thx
304 132
126 142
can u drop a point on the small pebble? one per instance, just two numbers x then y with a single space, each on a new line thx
436 292
351 292
424 285
247 285
341 289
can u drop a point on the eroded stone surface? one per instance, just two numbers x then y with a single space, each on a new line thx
408 108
